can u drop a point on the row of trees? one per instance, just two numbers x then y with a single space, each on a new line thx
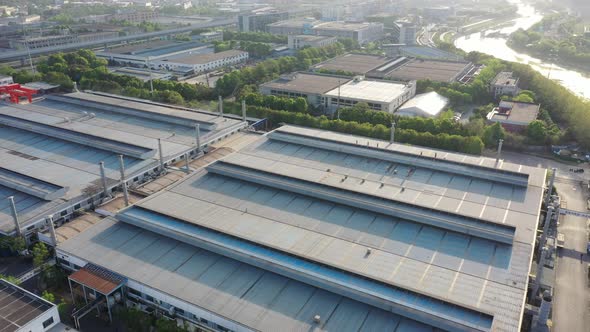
466 144
362 113
298 104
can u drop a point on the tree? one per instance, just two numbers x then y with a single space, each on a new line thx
492 134
537 132
40 254
48 296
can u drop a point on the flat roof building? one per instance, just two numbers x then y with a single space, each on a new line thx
307 229
300 41
331 92
362 32
407 69
514 116
142 74
23 311
50 151
427 105
384 96
140 54
201 62
504 84
355 63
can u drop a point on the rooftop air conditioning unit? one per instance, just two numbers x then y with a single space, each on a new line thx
317 319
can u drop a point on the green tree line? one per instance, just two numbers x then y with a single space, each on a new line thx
465 144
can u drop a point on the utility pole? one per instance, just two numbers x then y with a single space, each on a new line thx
338 106
151 78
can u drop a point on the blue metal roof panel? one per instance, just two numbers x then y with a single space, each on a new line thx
249 296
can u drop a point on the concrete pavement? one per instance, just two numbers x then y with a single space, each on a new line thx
571 305
571 310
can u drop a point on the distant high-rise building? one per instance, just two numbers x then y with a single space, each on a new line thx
406 32
258 21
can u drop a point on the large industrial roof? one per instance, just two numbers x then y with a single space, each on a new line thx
19 307
379 91
450 235
50 149
200 59
421 69
306 83
354 63
244 294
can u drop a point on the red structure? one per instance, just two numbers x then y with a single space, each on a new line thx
16 91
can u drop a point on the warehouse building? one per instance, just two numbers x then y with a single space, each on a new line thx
299 41
312 230
386 96
23 311
331 92
362 32
50 151
141 54
199 63
408 69
355 63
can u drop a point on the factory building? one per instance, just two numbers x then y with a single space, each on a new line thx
142 54
51 152
355 63
299 41
363 32
306 229
200 63
331 92
409 69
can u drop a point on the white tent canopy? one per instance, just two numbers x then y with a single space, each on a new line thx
427 105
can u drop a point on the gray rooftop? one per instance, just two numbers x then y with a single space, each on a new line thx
451 235
517 113
249 296
421 69
355 63
50 149
306 83
199 59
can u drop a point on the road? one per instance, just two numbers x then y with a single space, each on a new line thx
571 310
571 306
532 160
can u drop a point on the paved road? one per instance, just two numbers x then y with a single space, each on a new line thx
571 311
531 160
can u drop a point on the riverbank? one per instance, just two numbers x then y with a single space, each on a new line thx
583 68
494 42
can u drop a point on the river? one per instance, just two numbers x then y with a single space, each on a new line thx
571 79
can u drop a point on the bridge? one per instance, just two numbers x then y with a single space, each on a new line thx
17 55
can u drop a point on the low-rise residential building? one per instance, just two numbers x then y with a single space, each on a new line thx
23 311
363 32
427 105
514 116
331 92
201 62
299 41
504 84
